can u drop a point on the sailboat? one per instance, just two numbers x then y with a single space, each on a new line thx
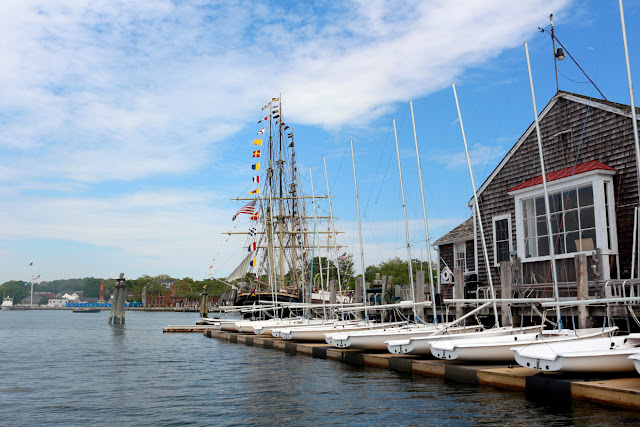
271 283
501 348
607 354
422 344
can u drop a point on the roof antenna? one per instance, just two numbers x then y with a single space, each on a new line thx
559 55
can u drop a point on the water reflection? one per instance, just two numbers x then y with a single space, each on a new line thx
176 379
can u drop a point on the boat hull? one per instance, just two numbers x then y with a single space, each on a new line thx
500 349
422 345
590 355
319 334
636 361
377 339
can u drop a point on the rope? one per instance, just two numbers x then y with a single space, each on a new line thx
633 315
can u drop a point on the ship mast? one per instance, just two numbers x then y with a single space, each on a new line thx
269 215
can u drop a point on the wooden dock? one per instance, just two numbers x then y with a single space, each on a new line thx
188 328
610 391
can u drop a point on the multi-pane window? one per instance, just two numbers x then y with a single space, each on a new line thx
460 254
502 240
572 222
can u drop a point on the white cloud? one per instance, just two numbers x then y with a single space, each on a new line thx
116 91
480 156
97 84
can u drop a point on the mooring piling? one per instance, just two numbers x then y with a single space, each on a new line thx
116 315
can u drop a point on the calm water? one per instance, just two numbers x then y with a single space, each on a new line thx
63 368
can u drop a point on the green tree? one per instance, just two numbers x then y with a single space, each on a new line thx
15 289
399 269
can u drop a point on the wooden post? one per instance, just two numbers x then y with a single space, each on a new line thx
116 315
506 283
332 297
112 312
584 321
458 289
359 290
383 313
420 293
204 306
121 299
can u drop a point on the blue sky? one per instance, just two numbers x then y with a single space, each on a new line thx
127 126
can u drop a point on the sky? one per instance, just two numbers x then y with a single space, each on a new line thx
126 127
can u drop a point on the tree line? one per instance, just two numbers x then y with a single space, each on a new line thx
190 288
90 287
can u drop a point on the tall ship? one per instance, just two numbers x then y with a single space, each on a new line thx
280 235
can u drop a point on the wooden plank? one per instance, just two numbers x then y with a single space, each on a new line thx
622 392
429 368
509 378
188 328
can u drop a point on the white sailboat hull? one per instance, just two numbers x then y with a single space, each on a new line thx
376 339
319 333
588 355
636 361
499 348
266 329
422 345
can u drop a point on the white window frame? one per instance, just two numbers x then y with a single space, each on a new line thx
596 178
495 249
455 254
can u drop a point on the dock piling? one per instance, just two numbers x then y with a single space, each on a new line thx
116 315
506 283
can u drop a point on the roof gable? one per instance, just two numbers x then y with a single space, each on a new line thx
461 233
609 106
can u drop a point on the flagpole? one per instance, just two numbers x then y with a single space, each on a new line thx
333 228
424 211
364 282
406 226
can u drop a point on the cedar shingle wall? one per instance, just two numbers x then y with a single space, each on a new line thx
470 257
608 138
446 254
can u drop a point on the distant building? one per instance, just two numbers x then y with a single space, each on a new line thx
159 298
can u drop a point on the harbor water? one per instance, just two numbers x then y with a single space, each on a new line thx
64 368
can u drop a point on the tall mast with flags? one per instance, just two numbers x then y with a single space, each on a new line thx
276 206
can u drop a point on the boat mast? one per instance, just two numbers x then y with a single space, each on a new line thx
424 211
301 280
406 226
281 209
633 105
355 183
270 227
477 208
552 249
333 229
315 219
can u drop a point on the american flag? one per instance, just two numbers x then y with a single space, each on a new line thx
249 208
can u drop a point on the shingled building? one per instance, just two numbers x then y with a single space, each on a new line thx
592 179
